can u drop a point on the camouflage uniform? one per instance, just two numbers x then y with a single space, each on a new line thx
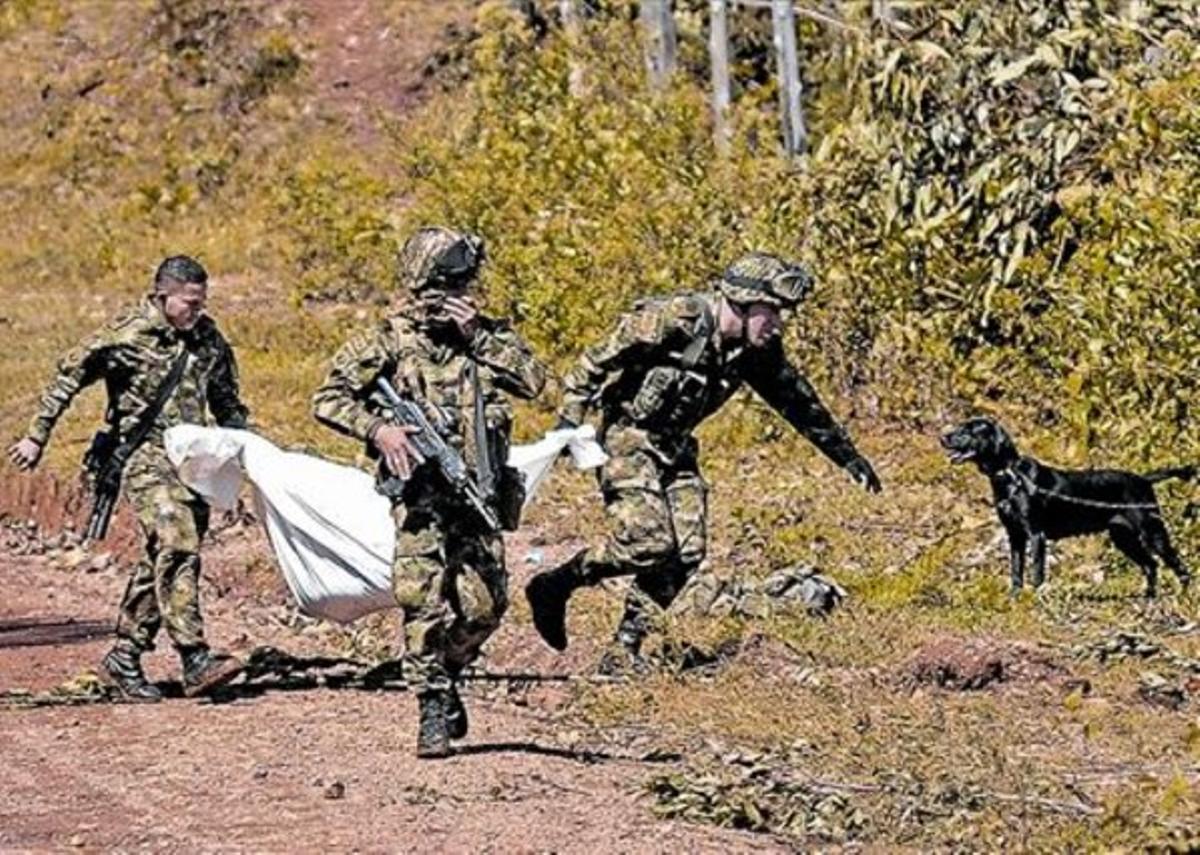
133 354
654 380
449 576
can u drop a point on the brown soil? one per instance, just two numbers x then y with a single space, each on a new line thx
315 769
966 664
374 57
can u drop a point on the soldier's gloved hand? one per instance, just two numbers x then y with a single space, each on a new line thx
26 453
863 475
397 449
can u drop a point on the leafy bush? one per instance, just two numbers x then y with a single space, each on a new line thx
998 209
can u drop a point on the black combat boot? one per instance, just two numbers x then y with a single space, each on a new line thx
457 723
123 665
548 594
204 670
433 734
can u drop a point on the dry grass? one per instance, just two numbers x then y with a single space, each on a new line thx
1064 752
926 767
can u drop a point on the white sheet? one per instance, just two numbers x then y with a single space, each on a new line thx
331 532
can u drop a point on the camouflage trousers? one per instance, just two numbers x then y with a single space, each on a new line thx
165 585
449 579
657 511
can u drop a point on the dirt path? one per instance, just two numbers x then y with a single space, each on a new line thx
369 57
318 769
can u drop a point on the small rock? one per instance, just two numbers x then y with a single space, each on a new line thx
99 563
335 791
1158 691
260 773
536 557
76 841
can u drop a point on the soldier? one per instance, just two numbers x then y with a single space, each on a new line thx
437 349
669 364
164 346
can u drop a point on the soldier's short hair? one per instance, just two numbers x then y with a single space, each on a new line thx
182 269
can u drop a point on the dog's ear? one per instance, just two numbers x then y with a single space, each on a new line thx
1003 447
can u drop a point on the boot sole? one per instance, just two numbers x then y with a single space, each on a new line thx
218 678
129 698
550 635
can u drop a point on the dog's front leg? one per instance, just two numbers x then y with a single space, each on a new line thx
1039 558
1016 546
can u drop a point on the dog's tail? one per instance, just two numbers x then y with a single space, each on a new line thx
1184 473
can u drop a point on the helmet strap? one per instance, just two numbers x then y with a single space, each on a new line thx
731 309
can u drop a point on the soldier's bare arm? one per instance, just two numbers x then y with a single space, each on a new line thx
515 367
224 395
793 397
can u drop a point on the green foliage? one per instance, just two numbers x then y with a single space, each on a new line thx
18 14
275 63
333 212
998 210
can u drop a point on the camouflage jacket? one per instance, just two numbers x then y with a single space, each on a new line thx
663 371
434 373
133 354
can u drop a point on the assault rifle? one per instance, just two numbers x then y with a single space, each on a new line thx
430 445
106 467
109 452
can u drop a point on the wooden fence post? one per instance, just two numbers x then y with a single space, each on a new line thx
791 101
573 29
718 53
659 21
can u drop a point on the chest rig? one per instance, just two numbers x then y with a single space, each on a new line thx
674 395
459 398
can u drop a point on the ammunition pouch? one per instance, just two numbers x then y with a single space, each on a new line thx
667 394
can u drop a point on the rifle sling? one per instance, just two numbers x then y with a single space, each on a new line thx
483 451
691 354
148 416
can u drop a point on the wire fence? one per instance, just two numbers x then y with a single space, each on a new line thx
657 19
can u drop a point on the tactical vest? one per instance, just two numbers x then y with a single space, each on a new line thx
673 395
438 377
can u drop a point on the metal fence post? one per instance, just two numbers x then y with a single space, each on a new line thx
718 52
791 101
659 22
573 30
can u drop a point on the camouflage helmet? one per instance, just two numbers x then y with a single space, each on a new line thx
762 278
436 257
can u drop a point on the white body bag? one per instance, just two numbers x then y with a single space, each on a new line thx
331 532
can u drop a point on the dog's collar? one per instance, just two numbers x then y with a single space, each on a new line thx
1014 474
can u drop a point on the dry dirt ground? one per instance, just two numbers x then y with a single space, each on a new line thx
280 769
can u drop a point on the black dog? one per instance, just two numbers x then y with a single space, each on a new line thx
1037 503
